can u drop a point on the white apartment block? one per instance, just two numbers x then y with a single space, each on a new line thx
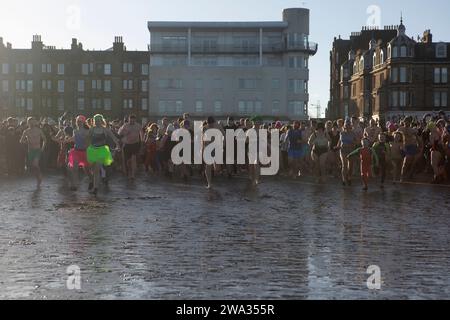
235 69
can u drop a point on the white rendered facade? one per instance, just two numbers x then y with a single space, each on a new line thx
235 69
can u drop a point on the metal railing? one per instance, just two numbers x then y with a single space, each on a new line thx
310 48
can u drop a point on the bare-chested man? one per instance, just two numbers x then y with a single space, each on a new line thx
372 132
131 134
35 139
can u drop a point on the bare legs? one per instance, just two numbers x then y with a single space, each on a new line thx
37 172
208 174
438 170
132 166
406 168
254 172
320 164
346 168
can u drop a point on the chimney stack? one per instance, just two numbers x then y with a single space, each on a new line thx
74 44
118 44
37 42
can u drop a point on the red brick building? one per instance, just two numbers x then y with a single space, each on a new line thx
45 81
395 75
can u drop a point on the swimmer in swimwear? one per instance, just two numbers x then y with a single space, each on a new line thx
33 136
368 157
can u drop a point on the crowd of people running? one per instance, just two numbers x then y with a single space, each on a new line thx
397 149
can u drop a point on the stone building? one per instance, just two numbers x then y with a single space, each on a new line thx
45 81
392 75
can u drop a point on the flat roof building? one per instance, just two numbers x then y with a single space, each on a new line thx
231 68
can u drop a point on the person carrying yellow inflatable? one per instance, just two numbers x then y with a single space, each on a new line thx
98 153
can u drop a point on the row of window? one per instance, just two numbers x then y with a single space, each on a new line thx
27 85
295 86
358 66
294 62
405 51
405 99
245 107
95 104
86 68
400 52
238 41
404 75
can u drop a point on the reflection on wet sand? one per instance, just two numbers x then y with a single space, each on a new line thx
163 240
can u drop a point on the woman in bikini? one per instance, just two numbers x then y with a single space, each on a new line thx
320 145
347 144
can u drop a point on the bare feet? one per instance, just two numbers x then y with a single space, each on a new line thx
39 182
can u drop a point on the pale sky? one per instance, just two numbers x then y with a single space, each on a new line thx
100 20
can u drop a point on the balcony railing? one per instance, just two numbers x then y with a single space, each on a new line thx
310 48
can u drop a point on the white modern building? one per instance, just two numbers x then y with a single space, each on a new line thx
235 69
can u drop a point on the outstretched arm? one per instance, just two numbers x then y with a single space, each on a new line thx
24 137
113 137
354 153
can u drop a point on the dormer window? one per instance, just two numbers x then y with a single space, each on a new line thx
346 73
395 52
403 51
441 50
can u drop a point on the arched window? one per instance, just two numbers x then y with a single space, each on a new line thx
355 67
381 57
403 51
374 59
361 64
389 51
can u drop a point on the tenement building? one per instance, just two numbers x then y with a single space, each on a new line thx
388 75
45 81
231 68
